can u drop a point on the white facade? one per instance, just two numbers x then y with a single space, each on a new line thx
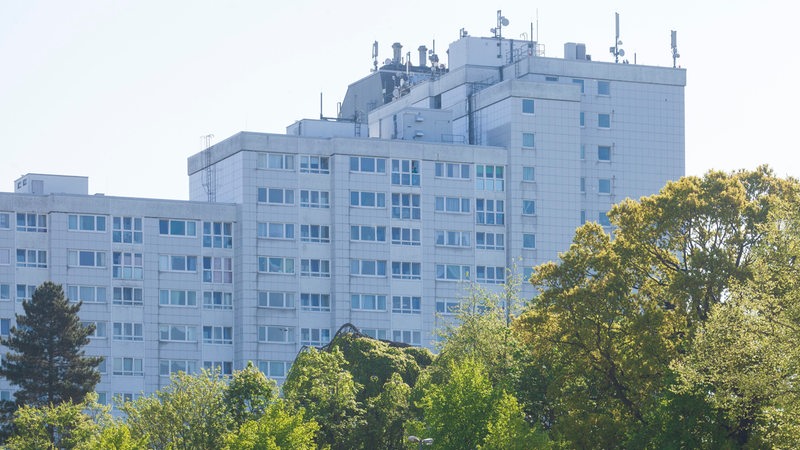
489 166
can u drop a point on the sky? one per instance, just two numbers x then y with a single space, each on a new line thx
124 91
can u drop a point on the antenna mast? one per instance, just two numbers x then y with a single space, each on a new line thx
615 50
675 54
209 179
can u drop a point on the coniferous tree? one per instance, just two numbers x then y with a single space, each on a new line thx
46 359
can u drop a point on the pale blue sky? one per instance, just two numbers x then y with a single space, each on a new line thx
122 91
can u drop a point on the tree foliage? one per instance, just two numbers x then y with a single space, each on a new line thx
46 360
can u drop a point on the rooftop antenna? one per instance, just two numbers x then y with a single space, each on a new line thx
615 50
375 56
501 22
675 54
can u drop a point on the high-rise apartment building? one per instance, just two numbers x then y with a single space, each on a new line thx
467 172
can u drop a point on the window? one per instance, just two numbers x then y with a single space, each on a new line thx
128 366
276 334
319 268
583 152
217 235
274 299
603 88
34 223
274 369
177 333
579 83
447 307
25 292
275 265
368 267
314 164
489 212
367 233
225 368
86 223
452 170
604 186
405 236
368 302
99 329
450 238
128 331
177 298
5 327
583 216
528 140
604 121
217 269
367 165
5 221
275 161
217 335
167 227
275 230
167 367
217 300
490 274
31 258
528 207
528 173
315 302
405 172
583 185
550 78
315 233
5 292
527 106
177 263
603 153
406 304
407 337
128 296
451 204
83 258
406 206
127 230
315 336
124 397
366 199
452 272
276 196
529 241
583 119
5 256
490 241
403 270
489 178
602 219
376 333
314 199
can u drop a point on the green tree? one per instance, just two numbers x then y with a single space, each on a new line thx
386 415
190 413
62 426
508 430
46 359
614 313
249 394
319 383
277 427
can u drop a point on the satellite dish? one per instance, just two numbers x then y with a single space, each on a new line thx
504 21
621 52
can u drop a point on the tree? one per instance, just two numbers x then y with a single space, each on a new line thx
189 413
46 359
319 384
277 428
613 314
249 394
386 415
